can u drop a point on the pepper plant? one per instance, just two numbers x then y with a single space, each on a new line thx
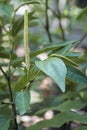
17 74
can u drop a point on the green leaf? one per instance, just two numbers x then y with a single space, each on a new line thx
81 13
65 59
6 11
65 96
23 81
83 65
55 68
66 106
4 123
58 120
5 51
65 49
17 61
5 111
22 101
72 54
81 128
76 75
53 47
19 23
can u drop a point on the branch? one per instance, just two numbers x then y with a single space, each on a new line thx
9 87
59 18
56 15
6 103
83 37
47 21
11 97
5 75
81 40
60 24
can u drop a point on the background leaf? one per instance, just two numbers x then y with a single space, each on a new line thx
66 106
81 13
53 47
76 75
59 120
4 123
6 11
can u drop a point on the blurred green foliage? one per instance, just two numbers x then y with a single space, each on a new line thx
50 27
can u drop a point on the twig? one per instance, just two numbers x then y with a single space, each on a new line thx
6 103
10 89
47 22
83 37
8 78
60 24
68 126
3 72
56 15
13 105
11 97
81 40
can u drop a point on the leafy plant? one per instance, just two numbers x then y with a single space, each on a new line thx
20 75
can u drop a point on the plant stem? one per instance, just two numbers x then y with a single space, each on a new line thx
13 105
83 37
68 126
9 87
5 75
81 40
47 22
60 24
8 78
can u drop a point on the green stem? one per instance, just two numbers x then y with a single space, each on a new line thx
11 97
8 77
13 105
